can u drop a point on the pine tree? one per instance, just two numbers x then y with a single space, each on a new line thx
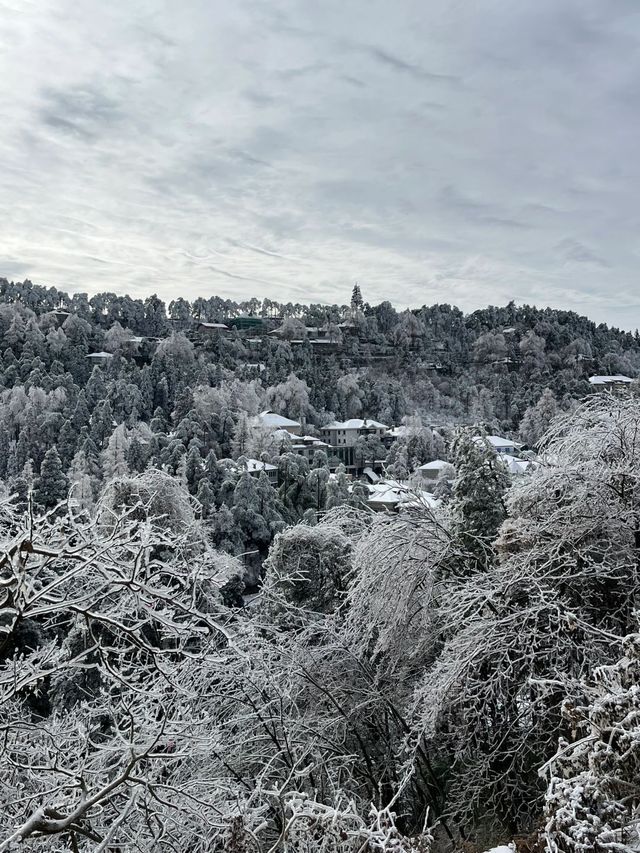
338 489
4 452
477 503
81 414
101 423
205 497
241 436
66 443
250 523
269 506
114 456
357 303
52 485
193 467
136 456
224 531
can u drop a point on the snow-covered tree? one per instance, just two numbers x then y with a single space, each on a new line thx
308 566
107 661
537 419
477 503
593 798
51 485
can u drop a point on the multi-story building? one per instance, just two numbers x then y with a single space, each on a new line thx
342 437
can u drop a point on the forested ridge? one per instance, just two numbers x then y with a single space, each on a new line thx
458 673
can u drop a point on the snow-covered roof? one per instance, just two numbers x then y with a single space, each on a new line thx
371 474
515 465
386 492
256 465
282 434
270 419
436 465
397 431
308 441
393 492
355 423
300 442
496 441
100 355
212 325
608 380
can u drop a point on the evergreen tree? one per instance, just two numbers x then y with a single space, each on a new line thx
205 498
51 486
114 456
67 443
136 456
194 471
249 522
338 489
477 503
81 414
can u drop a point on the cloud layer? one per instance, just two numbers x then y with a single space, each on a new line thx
433 150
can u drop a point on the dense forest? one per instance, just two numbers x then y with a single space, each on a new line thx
196 655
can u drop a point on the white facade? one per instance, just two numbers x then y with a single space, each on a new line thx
342 435
499 444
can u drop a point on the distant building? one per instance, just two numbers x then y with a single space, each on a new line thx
271 420
431 470
99 357
342 436
246 321
391 495
499 444
211 328
255 467
303 445
610 383
517 466
60 316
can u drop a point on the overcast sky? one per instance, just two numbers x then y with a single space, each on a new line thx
461 151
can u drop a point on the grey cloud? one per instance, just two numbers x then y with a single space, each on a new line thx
574 250
475 152
399 64
81 110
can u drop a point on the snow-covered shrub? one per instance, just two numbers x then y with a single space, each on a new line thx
593 799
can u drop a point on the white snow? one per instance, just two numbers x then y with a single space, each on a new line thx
436 465
355 423
271 419
606 380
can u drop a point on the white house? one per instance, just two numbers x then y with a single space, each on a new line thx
211 327
518 466
390 495
345 433
342 435
303 445
499 444
255 467
431 470
396 432
99 357
610 383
